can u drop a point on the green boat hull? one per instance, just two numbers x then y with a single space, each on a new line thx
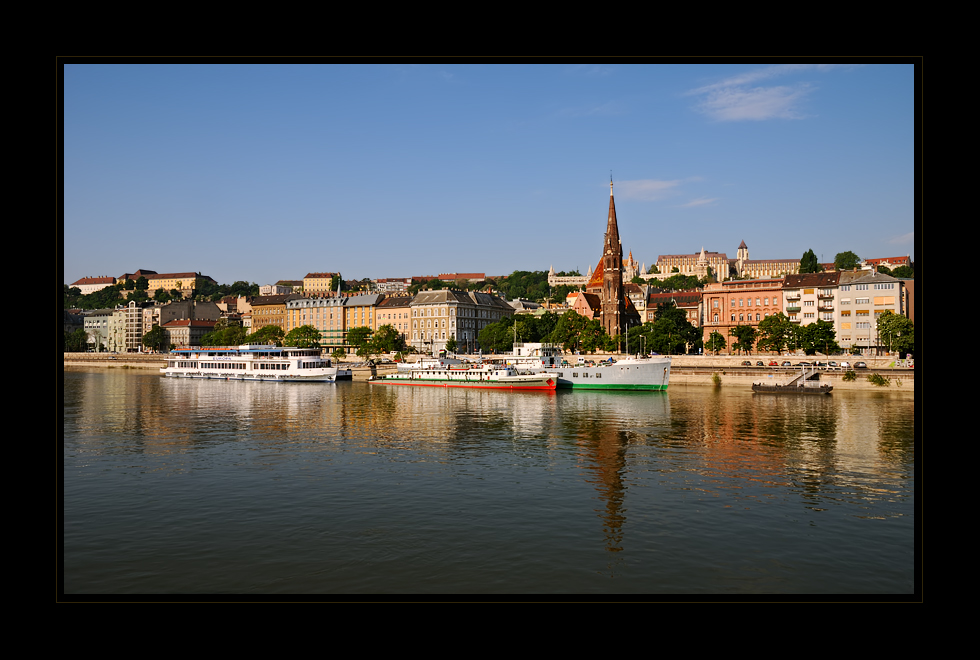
564 385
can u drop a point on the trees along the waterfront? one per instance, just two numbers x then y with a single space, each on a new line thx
669 334
744 336
388 340
76 342
716 342
358 338
304 336
156 339
896 332
568 330
774 333
228 335
819 337
593 336
270 334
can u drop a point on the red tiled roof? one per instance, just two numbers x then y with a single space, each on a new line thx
94 280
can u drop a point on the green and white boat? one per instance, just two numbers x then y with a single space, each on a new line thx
631 373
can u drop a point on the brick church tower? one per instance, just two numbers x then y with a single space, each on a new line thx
613 299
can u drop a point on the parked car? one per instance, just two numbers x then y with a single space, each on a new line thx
832 363
787 363
760 363
773 363
845 365
746 363
803 364
860 365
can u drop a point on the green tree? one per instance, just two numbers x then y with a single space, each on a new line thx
809 263
904 271
819 337
451 345
358 337
896 332
774 333
593 336
142 284
846 260
228 335
304 336
568 330
338 354
387 340
270 334
744 336
76 342
497 336
681 282
156 339
716 342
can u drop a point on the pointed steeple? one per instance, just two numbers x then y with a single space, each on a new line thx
612 227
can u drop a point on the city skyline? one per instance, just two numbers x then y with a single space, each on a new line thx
262 172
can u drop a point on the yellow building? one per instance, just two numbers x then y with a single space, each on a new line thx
270 310
186 283
315 283
326 314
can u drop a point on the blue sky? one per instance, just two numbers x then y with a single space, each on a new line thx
263 172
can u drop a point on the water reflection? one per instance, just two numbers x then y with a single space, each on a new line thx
520 490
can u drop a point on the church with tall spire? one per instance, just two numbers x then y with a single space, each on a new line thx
617 311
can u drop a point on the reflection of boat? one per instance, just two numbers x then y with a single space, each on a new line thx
251 362
482 377
633 373
802 383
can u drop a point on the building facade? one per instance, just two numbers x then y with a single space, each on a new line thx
187 332
863 297
324 313
89 285
270 310
317 283
726 305
438 316
810 297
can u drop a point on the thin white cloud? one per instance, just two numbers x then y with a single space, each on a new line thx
704 201
755 104
904 239
605 109
649 190
741 98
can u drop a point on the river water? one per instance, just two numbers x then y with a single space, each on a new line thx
258 489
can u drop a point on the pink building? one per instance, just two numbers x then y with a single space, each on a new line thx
739 302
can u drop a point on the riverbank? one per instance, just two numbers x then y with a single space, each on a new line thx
686 370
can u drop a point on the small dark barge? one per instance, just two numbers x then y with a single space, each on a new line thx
802 383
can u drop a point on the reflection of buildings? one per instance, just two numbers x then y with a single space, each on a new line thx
605 427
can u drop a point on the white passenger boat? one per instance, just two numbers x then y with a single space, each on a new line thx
251 362
632 373
493 377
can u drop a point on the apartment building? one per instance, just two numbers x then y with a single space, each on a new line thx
863 297
438 316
